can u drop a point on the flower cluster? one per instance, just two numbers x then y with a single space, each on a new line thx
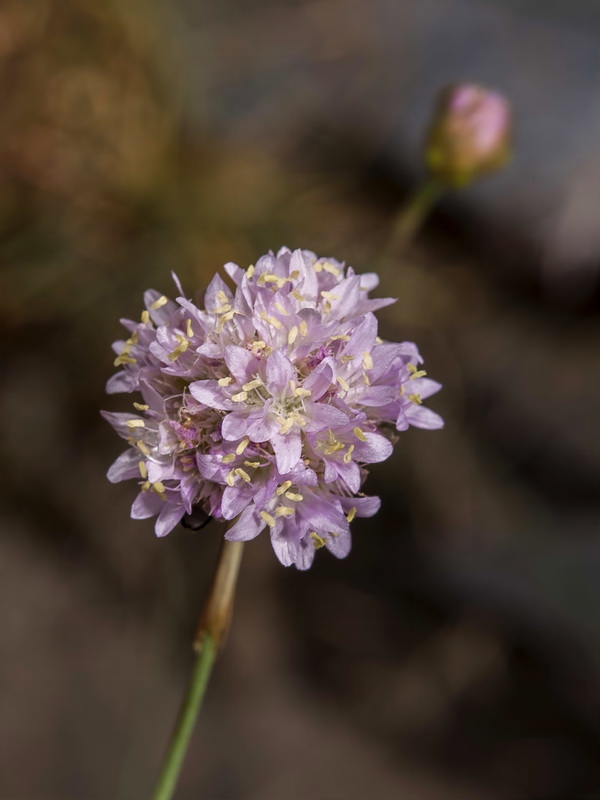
263 407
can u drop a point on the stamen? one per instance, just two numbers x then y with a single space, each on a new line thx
143 469
366 379
180 349
293 333
303 328
271 320
318 541
348 455
288 423
343 383
247 387
135 423
351 514
158 487
145 317
359 434
250 271
222 298
230 479
300 392
283 488
124 359
159 303
295 498
242 445
239 397
415 398
254 464
141 406
297 296
343 337
243 474
345 359
284 511
143 448
188 328
281 309
271 522
367 361
327 267
228 458
225 381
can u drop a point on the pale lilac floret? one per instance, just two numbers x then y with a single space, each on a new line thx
263 407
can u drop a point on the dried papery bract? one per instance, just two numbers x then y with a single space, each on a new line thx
263 407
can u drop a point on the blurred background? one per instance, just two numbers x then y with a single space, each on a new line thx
455 654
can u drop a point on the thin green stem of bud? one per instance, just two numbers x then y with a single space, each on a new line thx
212 630
412 216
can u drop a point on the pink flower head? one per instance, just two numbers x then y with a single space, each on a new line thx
469 135
263 407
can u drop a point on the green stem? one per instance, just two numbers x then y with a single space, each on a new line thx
413 215
184 726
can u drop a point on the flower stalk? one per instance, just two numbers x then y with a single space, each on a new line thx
210 637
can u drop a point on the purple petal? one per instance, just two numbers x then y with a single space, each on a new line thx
241 363
210 394
168 518
235 426
288 450
248 526
421 417
321 416
280 371
125 467
145 505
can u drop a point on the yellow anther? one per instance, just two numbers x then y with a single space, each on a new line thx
284 511
329 296
188 328
293 386
143 448
247 387
351 514
303 328
228 458
343 337
254 464
295 274
327 306
346 359
284 487
135 423
367 361
327 267
123 359
271 320
366 379
143 469
378 340
414 372
318 267
159 303
297 296
331 435
225 381
270 278
300 392
415 398
343 383
146 486
230 479
158 487
259 345
141 406
298 419
271 522
348 455
281 309
239 397
250 271
243 474
223 309
261 279
295 498
317 540
180 349
222 297
242 445
293 333
359 434
287 424
145 317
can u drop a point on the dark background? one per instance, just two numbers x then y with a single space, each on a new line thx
455 653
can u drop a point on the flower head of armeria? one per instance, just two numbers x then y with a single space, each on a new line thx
263 407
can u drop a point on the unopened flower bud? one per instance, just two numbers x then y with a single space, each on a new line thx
469 135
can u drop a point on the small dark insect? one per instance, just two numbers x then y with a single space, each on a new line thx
196 520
